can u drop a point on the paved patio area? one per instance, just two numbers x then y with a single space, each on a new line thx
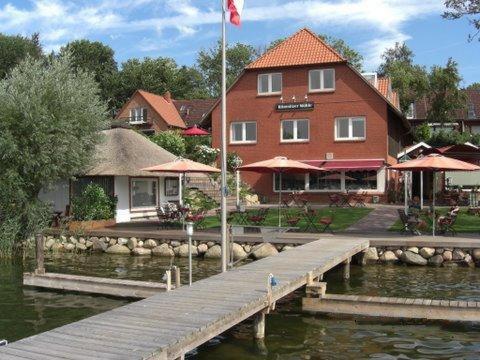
380 219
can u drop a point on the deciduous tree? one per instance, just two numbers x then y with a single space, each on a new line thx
457 9
49 126
15 48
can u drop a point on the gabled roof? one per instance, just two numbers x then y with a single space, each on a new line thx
193 111
384 85
162 105
124 152
302 48
165 108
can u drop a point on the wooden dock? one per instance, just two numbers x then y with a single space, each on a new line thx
170 324
390 307
96 285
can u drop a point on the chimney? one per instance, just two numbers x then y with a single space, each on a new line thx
167 96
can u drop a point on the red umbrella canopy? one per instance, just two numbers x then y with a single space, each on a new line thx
181 165
435 162
280 164
195 131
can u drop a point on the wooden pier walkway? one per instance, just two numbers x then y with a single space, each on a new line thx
391 307
170 324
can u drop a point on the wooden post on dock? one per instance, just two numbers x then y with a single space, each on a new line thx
168 274
39 245
346 269
259 325
176 272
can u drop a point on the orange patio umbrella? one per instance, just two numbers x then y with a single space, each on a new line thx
280 165
435 163
182 166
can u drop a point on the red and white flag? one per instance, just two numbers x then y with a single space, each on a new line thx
235 7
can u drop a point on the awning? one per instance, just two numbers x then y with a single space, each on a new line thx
347 164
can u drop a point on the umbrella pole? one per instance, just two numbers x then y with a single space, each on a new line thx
433 202
280 200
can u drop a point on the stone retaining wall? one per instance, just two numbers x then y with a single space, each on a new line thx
168 248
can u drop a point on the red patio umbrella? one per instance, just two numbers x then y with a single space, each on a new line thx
195 131
280 165
434 163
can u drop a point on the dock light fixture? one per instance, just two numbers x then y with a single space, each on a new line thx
189 227
293 98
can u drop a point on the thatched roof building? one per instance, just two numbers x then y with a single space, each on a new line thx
123 152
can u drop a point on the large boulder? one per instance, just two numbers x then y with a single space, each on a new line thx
476 254
413 249
140 251
264 250
436 260
98 244
202 249
427 252
215 252
57 247
447 255
468 261
118 249
132 243
69 247
80 246
369 256
163 250
388 256
150 244
183 250
49 243
458 254
122 241
238 252
412 258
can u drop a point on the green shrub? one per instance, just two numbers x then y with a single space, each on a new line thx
93 204
171 141
234 161
197 200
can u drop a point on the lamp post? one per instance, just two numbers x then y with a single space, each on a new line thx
189 234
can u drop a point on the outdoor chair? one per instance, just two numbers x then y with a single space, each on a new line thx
326 221
335 200
409 223
359 199
292 218
258 217
447 225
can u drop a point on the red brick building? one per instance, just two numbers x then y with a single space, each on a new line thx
303 100
151 113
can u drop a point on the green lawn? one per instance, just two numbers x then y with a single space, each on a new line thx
465 223
342 218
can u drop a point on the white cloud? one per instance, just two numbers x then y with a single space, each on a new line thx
60 21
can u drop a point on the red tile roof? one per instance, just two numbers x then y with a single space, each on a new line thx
302 48
193 111
473 99
164 108
385 88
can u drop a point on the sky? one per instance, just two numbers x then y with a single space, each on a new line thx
180 28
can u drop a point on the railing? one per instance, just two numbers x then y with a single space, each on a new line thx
135 120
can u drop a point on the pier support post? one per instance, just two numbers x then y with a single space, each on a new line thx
259 325
176 273
39 245
168 274
346 269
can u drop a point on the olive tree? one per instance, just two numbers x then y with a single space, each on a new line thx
49 126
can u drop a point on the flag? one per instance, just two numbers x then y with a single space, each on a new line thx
235 7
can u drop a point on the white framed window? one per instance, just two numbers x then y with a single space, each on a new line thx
350 128
243 132
321 80
138 115
294 130
172 186
143 193
270 84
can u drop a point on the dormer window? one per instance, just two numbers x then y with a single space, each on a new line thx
321 80
138 115
270 84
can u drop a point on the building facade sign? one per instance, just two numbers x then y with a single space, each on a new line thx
308 105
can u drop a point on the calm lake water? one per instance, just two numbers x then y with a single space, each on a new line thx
290 333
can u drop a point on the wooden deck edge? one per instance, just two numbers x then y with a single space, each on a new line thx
401 308
94 285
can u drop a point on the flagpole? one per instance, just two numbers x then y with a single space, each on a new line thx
223 150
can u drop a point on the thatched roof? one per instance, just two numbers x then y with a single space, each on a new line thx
123 152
